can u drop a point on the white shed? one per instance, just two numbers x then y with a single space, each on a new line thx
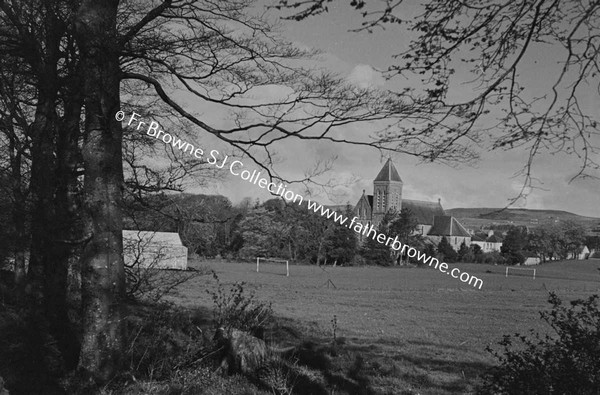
532 260
159 250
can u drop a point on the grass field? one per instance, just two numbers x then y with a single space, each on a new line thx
417 331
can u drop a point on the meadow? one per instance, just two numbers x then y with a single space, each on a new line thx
408 330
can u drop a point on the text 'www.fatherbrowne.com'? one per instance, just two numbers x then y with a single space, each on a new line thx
237 169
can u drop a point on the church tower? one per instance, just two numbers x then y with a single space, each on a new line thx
387 191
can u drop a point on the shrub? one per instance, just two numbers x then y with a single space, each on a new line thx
358 260
163 339
445 249
144 279
568 362
235 309
491 258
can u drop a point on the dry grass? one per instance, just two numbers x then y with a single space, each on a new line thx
416 329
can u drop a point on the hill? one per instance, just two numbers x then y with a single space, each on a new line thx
485 216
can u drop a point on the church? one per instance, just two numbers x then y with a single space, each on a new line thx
432 221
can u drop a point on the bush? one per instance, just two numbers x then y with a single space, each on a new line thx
358 260
163 340
235 309
566 363
446 251
144 279
491 258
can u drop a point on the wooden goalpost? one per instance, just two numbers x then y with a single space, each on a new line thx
287 264
520 268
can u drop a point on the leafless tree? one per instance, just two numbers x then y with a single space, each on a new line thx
82 61
486 45
147 278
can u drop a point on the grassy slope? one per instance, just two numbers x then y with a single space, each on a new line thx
475 217
418 330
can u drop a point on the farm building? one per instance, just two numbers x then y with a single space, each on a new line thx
487 241
387 194
160 250
531 260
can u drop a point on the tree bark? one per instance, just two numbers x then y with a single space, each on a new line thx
42 188
19 210
66 225
46 278
103 282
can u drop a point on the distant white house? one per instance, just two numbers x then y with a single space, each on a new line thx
532 260
582 253
487 241
160 250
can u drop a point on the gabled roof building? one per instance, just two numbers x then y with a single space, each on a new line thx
487 241
154 250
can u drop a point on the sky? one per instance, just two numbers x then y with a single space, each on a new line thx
491 182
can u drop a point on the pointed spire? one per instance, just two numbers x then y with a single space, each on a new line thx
388 172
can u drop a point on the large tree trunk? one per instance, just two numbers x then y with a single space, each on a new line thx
42 188
19 210
67 226
103 277
49 258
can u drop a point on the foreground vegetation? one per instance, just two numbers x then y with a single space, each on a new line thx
415 330
369 330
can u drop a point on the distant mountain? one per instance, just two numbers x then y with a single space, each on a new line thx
475 217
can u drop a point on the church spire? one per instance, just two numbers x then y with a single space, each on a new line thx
387 191
388 172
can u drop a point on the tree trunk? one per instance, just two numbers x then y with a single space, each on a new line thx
48 263
42 188
319 251
66 226
19 211
103 275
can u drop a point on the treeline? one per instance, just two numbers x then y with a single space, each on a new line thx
562 240
210 226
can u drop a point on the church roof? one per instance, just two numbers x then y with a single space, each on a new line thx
448 226
423 211
388 172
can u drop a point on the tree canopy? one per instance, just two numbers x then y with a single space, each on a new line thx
487 46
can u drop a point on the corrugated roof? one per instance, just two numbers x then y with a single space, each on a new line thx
448 226
163 238
424 211
388 172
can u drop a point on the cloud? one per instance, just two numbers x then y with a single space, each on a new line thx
364 76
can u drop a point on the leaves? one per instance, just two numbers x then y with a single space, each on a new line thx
566 362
